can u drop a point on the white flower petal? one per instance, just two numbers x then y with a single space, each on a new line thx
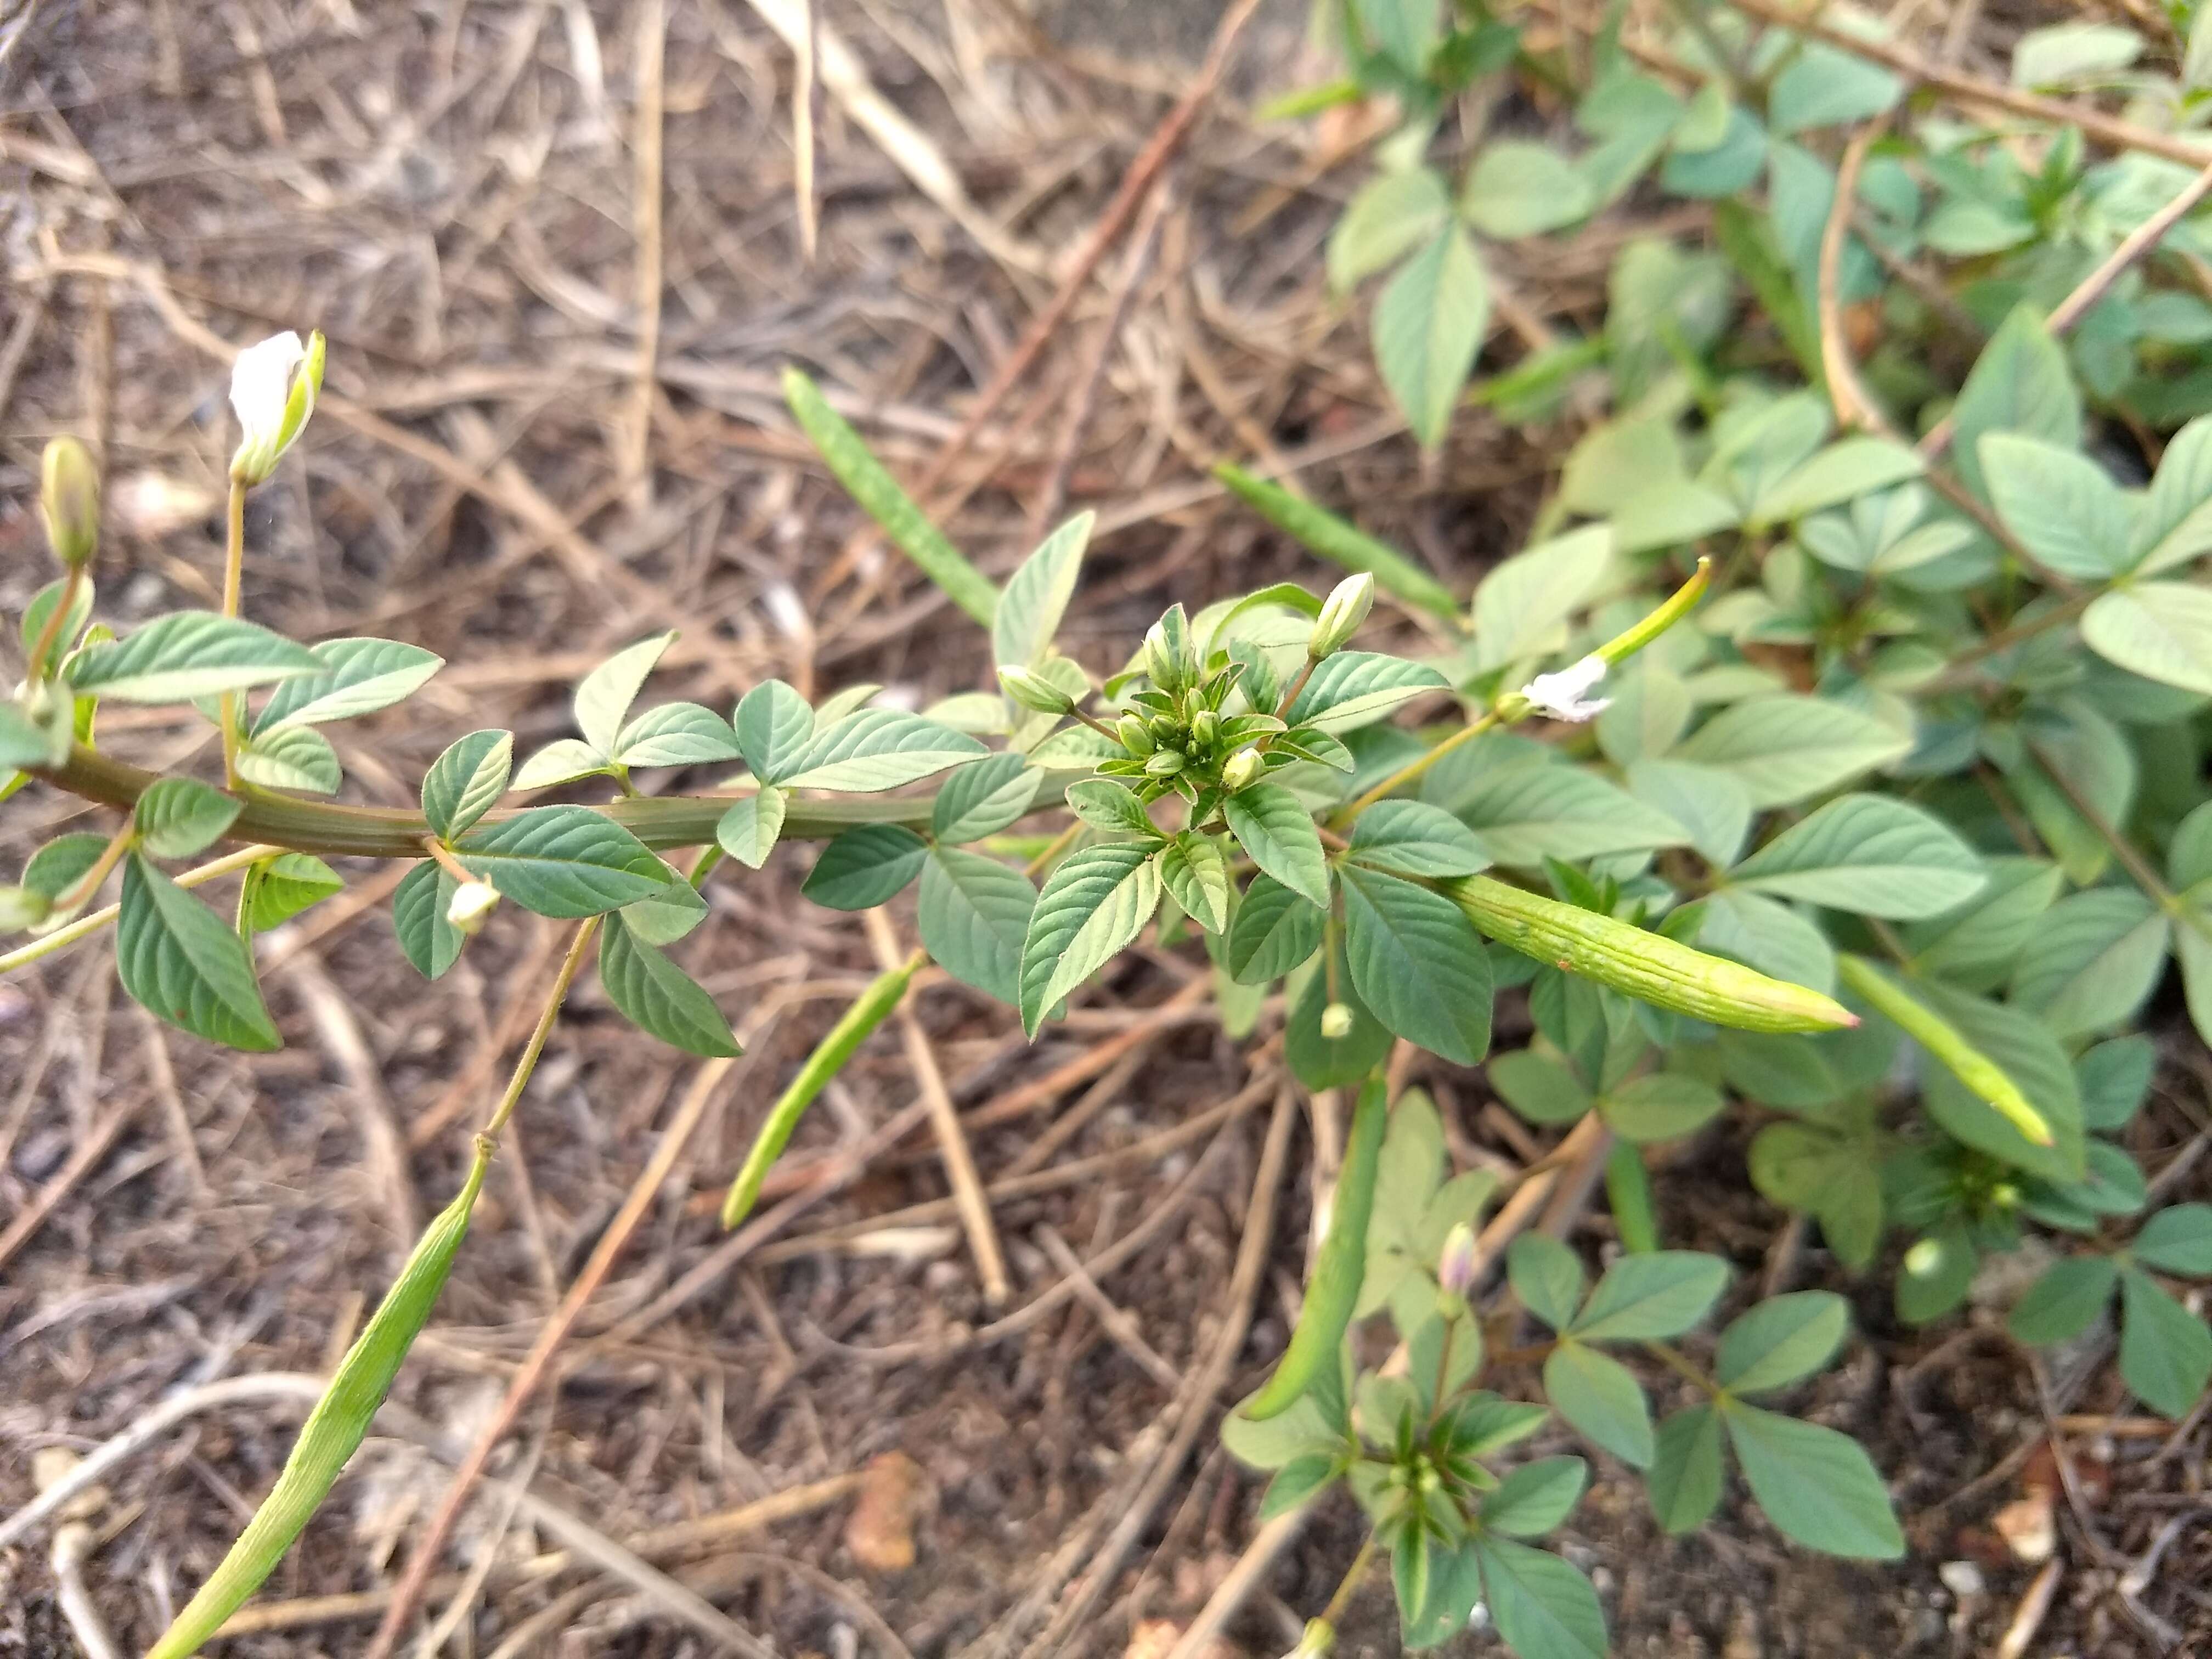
1564 695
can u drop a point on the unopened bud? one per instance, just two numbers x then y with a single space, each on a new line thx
1242 769
68 501
1336 1021
1032 690
1170 660
473 904
1135 737
1924 1258
273 387
1456 1261
1164 762
22 908
1342 613
1205 727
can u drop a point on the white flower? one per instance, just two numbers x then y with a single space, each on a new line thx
272 389
1564 695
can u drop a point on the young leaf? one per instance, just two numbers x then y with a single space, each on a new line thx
1780 1340
1534 1497
1663 1106
1544 1607
772 727
183 964
1272 825
2113 1078
1412 838
2177 1240
333 1432
563 760
1301 1478
605 693
355 677
1547 1276
1418 964
867 483
1539 1088
1091 906
658 996
2161 630
748 831
2166 1353
41 607
1685 1479
2175 525
418 916
290 883
2064 509
291 757
1392 214
1815 1485
974 914
1273 931
1786 748
1036 597
1600 1399
1870 855
1517 188
178 817
982 799
1112 807
62 863
675 734
2059 1305
1196 876
865 867
564 861
187 654
2019 383
1352 689
463 784
1523 814
878 749
1646 1299
1430 320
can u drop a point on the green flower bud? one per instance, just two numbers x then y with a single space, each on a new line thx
1170 658
1135 738
1242 770
1342 613
1336 1021
68 501
1205 728
22 908
1924 1258
1032 690
1456 1261
1164 762
1165 728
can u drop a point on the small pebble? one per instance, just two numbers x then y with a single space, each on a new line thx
1962 1578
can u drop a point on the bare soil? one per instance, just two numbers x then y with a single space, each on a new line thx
452 193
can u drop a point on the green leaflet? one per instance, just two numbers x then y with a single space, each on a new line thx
290 757
773 727
289 883
1643 1298
1418 964
1781 1339
984 798
1545 1609
1271 824
1338 1269
973 914
658 997
1870 855
1815 1485
675 734
187 654
1092 905
871 1009
867 483
748 831
355 677
177 818
1684 1481
1428 323
465 783
333 1430
1196 876
1600 1399
1028 613
878 749
1274 930
865 867
418 916
564 862
183 964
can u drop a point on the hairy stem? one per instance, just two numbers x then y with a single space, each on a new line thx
43 647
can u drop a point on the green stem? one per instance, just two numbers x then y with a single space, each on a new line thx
233 570
43 647
570 964
84 926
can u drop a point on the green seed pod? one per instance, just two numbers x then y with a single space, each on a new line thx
1242 770
1033 691
1342 613
1164 762
1135 738
68 501
1947 1044
1648 966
